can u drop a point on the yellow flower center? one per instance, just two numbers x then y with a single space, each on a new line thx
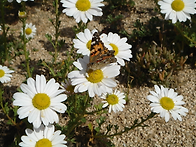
43 143
167 103
83 5
177 5
88 45
22 14
41 101
95 76
115 48
28 31
2 73
112 99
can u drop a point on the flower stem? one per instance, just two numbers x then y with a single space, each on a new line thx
24 43
79 116
126 129
51 70
57 24
2 7
3 108
25 50
181 32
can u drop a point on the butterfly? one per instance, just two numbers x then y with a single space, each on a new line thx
100 56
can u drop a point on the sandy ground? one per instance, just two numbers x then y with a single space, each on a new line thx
159 133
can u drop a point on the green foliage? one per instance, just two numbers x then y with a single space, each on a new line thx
114 11
99 109
149 31
113 20
56 23
59 70
188 30
99 121
141 30
76 109
80 27
156 65
2 50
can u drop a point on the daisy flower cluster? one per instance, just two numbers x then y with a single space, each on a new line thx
101 81
39 101
29 30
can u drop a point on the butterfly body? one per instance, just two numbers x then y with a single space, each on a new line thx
100 56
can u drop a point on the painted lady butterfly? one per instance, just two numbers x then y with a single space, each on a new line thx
100 56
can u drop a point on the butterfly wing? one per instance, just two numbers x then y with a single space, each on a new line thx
100 56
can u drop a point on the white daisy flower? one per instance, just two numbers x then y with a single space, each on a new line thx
177 9
83 43
30 31
5 75
96 82
82 9
69 89
42 137
19 1
39 101
115 100
119 45
167 102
